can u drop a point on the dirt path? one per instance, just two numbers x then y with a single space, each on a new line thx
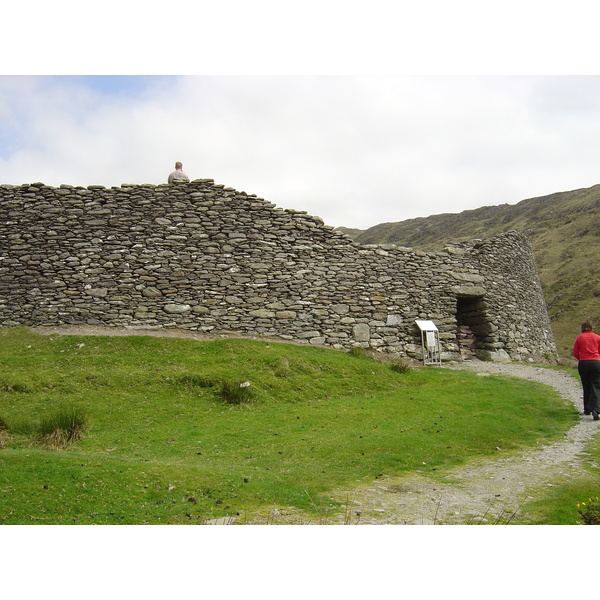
483 491
486 491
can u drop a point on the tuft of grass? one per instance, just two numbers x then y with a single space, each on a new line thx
63 427
57 430
235 392
400 366
358 352
196 381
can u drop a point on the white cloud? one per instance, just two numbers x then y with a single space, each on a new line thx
356 151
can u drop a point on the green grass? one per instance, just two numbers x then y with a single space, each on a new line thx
162 444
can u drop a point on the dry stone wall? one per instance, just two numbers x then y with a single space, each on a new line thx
208 258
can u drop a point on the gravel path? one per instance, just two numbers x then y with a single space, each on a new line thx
485 490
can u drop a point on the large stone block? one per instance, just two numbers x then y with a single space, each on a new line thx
262 313
361 332
177 308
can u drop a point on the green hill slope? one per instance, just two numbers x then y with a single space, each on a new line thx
564 232
147 430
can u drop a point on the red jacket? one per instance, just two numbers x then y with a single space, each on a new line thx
587 346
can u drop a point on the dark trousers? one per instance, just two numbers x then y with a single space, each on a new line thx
589 373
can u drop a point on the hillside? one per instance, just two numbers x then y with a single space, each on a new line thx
564 232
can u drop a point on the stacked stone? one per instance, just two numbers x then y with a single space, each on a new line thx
518 325
207 258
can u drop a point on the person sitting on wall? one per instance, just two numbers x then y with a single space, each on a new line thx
178 174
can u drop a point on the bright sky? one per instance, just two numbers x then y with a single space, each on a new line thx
355 148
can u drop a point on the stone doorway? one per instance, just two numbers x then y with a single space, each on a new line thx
472 324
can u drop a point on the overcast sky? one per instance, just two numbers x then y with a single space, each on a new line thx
401 139
354 150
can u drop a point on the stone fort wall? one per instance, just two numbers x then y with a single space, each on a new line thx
207 258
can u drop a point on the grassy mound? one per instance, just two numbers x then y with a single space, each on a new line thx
180 431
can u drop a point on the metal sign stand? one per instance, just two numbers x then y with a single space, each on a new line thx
430 339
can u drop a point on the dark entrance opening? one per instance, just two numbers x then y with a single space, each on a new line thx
473 325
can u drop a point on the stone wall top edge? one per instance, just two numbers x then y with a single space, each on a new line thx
451 248
456 248
39 184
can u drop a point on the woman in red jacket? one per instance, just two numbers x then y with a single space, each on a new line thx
587 351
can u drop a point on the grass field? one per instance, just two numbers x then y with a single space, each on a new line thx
166 434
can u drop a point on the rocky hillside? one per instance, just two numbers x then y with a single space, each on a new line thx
564 232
